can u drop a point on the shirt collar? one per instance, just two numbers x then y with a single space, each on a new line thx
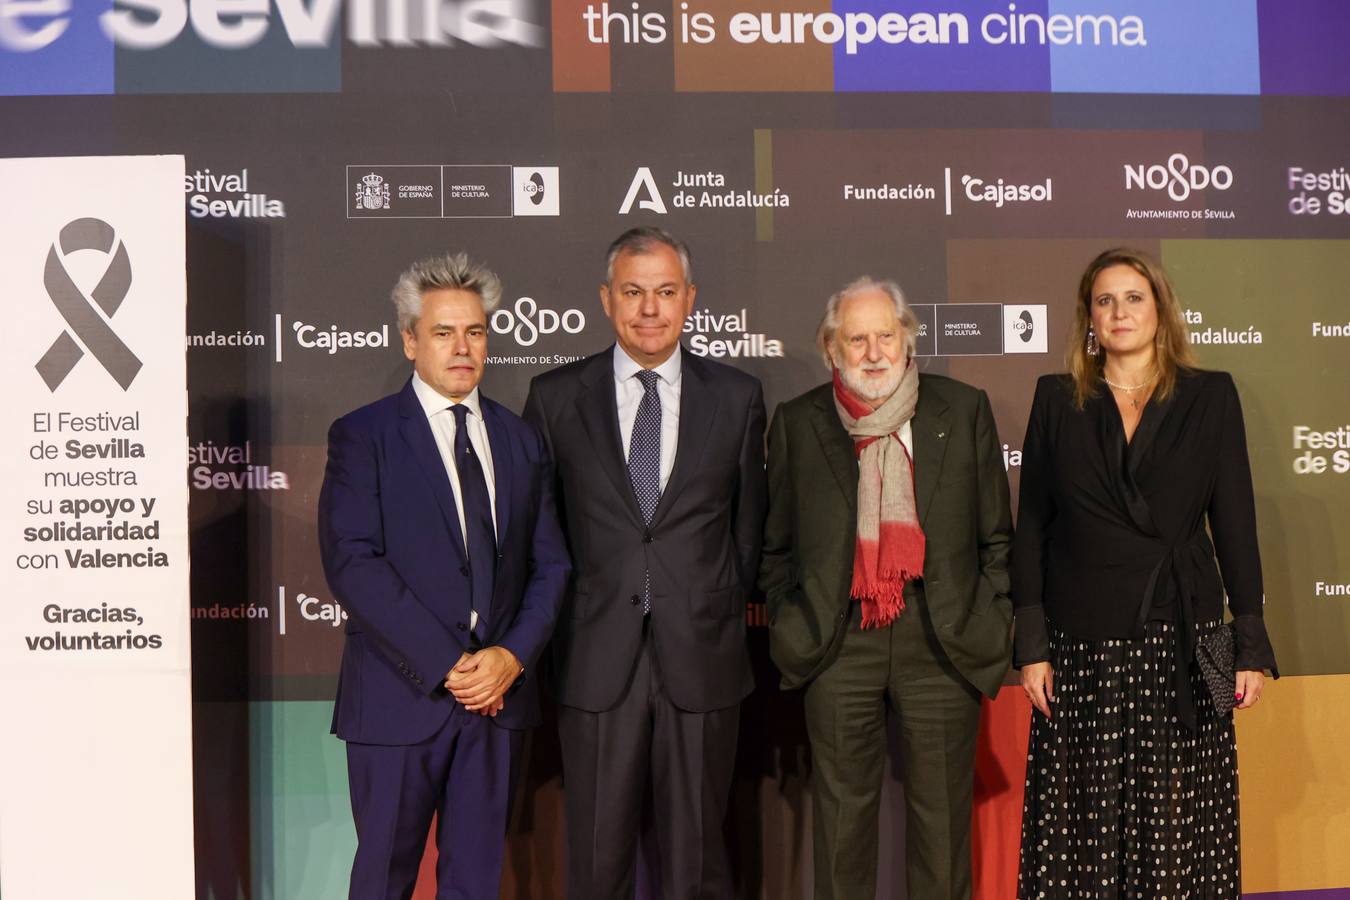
625 367
432 402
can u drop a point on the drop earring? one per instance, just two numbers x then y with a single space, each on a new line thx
1093 348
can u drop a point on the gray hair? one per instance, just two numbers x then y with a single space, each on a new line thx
829 324
643 240
450 271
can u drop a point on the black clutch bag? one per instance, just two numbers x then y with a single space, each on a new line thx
1216 653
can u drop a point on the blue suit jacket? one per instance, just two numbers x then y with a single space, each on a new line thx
394 556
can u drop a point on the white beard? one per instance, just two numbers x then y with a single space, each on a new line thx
870 389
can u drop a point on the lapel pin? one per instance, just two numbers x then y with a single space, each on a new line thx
942 434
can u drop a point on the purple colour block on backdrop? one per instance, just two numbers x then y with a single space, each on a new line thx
1303 48
942 68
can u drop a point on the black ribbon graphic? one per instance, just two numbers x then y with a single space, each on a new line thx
91 328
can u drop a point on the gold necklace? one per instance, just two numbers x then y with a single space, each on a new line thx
1130 389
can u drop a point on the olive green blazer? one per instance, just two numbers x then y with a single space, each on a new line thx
961 490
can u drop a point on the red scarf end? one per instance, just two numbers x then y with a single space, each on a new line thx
882 599
882 608
881 569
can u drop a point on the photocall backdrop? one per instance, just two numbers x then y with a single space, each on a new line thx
978 152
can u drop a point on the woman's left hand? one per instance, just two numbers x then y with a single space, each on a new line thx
1250 683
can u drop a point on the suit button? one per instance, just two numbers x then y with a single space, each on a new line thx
635 599
461 626
464 570
647 537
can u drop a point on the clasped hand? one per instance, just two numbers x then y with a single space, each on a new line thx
479 681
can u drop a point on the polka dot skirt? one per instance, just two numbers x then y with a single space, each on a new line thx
1122 800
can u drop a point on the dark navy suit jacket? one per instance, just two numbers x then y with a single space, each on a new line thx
394 556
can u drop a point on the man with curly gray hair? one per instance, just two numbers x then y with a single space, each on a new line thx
885 570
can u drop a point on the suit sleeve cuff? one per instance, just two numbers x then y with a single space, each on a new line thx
1253 649
522 655
427 679
1031 637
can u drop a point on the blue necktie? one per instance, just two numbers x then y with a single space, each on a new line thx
479 533
644 461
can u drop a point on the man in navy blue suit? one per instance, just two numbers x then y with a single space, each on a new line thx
440 538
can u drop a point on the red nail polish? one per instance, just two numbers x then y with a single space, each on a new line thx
1237 696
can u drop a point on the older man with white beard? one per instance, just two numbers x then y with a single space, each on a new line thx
885 566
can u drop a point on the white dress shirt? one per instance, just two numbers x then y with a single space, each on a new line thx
442 422
628 392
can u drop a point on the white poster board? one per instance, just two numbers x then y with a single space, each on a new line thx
95 687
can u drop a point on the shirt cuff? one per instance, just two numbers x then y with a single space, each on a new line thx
1253 650
1031 638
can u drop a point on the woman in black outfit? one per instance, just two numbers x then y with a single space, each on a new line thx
1131 786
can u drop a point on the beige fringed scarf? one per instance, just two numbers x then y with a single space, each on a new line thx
890 543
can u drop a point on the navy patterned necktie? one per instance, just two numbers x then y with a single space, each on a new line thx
479 534
644 461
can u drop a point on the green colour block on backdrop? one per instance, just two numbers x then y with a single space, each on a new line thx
1292 379
303 838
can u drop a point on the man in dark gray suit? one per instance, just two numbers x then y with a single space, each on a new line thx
886 574
660 462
